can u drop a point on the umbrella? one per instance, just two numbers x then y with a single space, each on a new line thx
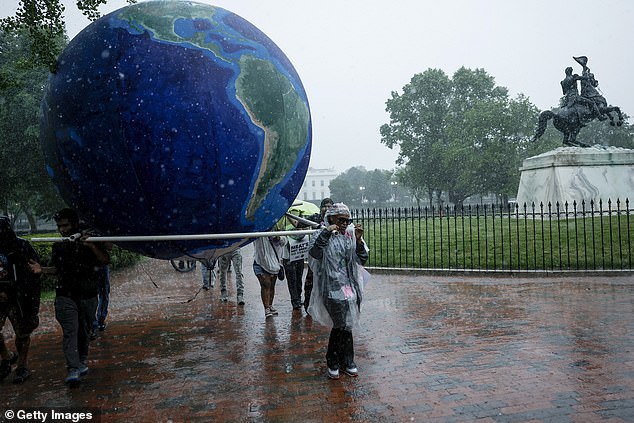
303 208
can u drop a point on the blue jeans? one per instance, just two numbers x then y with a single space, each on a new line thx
224 261
208 274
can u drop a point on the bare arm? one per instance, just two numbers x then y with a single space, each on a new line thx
101 254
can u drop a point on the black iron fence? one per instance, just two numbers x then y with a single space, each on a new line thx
543 237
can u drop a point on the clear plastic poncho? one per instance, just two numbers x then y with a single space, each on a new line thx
336 297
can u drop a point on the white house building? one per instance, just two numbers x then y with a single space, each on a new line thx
316 184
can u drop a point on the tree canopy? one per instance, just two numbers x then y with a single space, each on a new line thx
42 21
360 187
25 185
461 135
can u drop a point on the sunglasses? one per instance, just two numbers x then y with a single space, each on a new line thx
343 220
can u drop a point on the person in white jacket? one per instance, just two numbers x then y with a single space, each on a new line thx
266 266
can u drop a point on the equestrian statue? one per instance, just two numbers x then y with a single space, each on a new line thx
577 110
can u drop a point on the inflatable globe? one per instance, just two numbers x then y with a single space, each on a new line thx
173 117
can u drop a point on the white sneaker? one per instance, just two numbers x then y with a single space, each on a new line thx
351 371
333 373
83 369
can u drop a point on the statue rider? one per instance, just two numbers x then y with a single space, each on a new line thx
589 84
571 93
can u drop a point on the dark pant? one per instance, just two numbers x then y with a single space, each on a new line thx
294 271
104 299
75 318
340 352
308 288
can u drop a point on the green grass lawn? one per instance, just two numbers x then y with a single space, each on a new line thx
501 242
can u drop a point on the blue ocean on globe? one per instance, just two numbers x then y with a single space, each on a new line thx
174 117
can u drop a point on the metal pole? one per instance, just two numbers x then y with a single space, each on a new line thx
149 238
304 221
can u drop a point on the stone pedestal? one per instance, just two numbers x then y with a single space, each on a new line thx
569 174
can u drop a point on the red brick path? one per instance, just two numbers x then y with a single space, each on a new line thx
431 349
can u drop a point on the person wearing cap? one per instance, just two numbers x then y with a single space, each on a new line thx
20 289
326 203
335 256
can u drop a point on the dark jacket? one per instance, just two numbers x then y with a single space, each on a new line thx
21 286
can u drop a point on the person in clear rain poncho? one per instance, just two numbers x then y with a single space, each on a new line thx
335 257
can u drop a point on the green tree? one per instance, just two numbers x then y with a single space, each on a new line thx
405 176
417 127
43 23
360 187
462 136
378 186
25 186
341 188
597 132
350 186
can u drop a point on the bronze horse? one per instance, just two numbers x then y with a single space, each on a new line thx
570 120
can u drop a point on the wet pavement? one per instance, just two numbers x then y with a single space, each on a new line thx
431 349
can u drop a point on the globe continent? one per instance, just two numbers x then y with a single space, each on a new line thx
174 117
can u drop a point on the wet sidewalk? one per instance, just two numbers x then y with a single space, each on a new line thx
431 349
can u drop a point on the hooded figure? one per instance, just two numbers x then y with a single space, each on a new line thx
19 298
335 256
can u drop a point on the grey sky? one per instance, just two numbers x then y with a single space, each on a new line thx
352 54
